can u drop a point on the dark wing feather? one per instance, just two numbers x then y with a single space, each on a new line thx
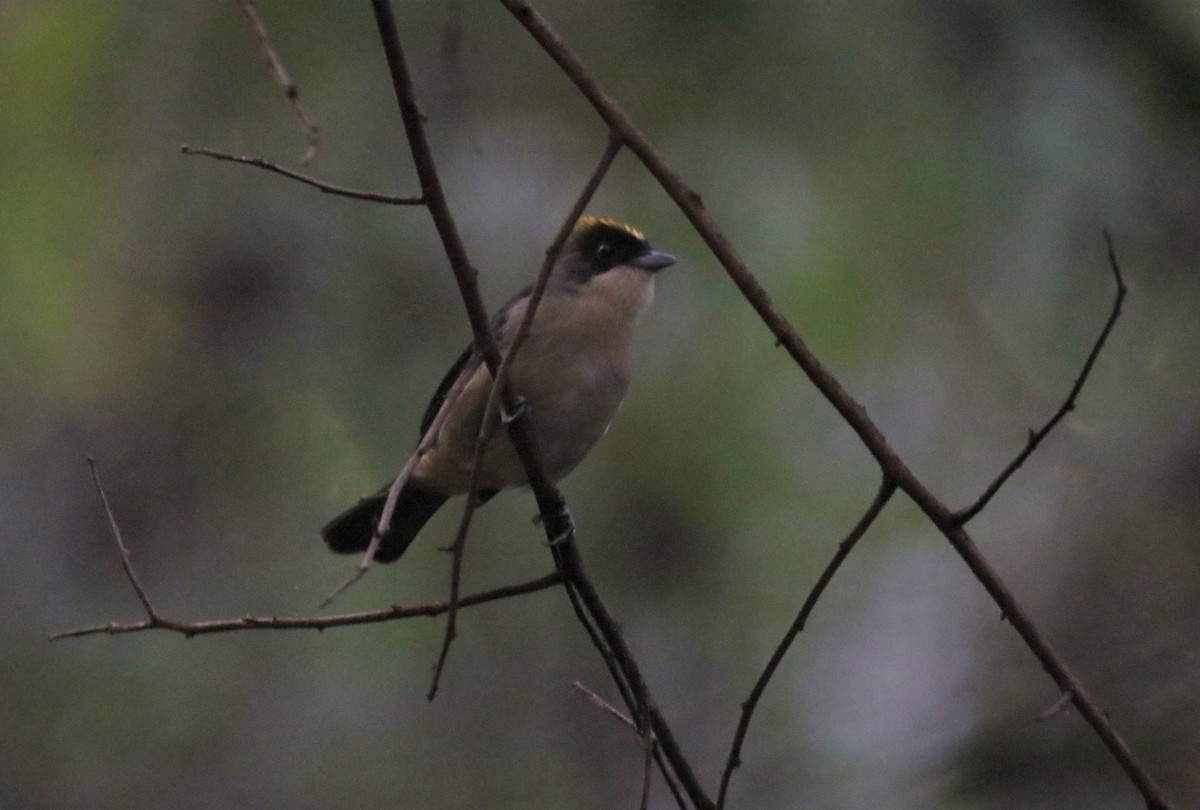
439 396
468 361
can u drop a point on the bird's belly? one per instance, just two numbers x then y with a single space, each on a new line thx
571 415
571 402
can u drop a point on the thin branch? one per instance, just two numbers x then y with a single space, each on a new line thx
488 422
126 559
886 490
328 188
1036 437
606 707
641 731
570 564
690 203
428 440
189 629
308 124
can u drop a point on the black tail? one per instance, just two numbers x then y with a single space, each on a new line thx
351 531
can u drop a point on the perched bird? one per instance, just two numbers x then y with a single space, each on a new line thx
572 371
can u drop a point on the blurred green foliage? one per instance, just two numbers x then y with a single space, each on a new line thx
920 185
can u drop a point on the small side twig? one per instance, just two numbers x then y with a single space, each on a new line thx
1036 436
643 732
606 707
321 185
389 504
886 490
308 124
126 559
1056 708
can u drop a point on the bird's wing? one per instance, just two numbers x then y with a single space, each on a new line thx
468 362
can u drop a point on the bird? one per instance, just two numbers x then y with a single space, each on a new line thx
572 372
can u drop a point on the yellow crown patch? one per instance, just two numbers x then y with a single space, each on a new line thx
590 221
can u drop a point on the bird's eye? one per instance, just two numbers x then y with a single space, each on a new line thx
604 250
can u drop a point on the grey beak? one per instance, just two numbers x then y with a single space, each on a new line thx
653 260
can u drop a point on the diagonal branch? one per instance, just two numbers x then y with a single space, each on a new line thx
328 188
126 559
556 520
1036 437
852 411
487 423
886 490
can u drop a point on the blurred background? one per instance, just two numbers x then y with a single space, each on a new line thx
920 185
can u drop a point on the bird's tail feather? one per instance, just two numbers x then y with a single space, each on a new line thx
351 531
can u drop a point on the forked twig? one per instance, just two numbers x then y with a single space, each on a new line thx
1068 405
855 416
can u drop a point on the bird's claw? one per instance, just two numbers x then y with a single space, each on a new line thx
521 410
568 532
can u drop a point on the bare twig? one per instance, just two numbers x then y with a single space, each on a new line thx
488 422
852 412
308 124
328 188
126 559
1068 405
886 490
605 706
189 629
641 730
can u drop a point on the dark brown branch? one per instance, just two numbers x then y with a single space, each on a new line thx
308 124
886 490
555 519
189 629
126 559
852 412
458 546
1036 437
328 188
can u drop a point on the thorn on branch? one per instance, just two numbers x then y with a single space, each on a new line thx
1056 708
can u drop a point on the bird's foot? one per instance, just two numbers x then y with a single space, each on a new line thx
521 410
564 519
